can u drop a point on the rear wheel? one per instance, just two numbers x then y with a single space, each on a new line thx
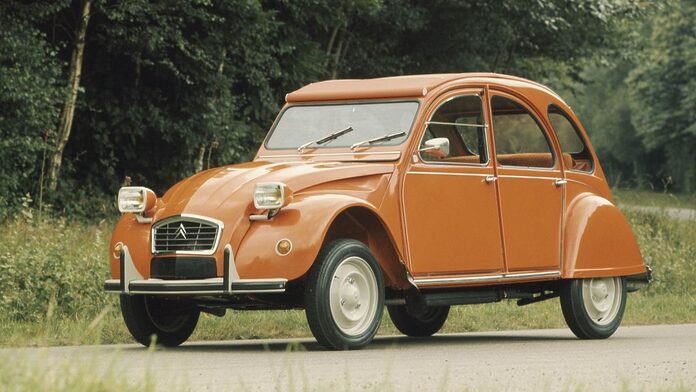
593 308
424 324
168 321
344 295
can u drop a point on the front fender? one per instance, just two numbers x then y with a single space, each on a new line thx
598 240
305 223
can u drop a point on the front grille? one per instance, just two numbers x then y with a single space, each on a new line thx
184 234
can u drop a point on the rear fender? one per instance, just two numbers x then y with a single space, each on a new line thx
598 241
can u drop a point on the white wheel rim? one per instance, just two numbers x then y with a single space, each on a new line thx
353 296
602 299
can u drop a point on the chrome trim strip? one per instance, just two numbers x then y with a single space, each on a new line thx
449 174
456 124
212 283
527 177
193 217
485 278
332 154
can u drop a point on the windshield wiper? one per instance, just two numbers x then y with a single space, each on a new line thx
325 139
378 139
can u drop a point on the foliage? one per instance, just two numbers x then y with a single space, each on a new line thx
22 372
639 107
167 91
52 269
663 91
29 73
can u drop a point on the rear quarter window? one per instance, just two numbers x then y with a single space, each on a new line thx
572 143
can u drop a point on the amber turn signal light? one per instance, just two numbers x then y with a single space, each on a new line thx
283 247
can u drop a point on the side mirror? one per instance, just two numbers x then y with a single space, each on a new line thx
436 148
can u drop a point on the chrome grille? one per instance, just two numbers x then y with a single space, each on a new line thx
185 234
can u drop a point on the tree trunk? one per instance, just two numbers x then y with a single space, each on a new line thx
198 164
68 112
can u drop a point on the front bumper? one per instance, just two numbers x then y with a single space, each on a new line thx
131 282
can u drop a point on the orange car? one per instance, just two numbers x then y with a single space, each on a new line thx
414 192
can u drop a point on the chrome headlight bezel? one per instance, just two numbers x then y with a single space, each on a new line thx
270 195
135 199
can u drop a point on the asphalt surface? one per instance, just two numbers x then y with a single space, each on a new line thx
635 358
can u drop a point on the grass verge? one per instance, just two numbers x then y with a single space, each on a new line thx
51 276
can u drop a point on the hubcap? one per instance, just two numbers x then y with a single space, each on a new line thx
353 296
602 299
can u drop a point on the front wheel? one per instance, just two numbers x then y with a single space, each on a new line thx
419 325
593 308
344 295
168 321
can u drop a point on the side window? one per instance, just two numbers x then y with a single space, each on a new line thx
575 152
460 120
519 139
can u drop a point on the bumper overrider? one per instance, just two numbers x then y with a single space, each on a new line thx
131 282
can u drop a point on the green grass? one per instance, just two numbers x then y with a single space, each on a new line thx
51 276
22 373
653 199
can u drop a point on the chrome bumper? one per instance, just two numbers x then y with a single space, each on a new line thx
132 282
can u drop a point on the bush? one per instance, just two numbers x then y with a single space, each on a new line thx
668 247
52 267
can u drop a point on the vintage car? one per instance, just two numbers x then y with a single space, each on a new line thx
415 192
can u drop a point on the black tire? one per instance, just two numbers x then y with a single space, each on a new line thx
334 259
582 321
421 325
164 319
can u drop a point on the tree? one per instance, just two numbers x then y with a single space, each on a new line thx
29 76
66 118
663 92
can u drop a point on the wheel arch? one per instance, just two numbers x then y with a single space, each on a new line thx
310 221
598 241
364 224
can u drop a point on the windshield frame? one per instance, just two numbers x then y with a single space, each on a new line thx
408 131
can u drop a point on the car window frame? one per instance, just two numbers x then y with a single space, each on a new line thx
579 134
535 116
486 129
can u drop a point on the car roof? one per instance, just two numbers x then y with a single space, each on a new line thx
408 86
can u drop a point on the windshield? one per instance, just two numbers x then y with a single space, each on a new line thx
304 123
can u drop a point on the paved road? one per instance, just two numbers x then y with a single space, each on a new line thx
643 358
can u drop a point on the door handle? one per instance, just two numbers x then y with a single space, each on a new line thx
490 179
560 182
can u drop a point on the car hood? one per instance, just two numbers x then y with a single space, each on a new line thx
222 190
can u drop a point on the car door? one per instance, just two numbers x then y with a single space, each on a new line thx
531 186
449 203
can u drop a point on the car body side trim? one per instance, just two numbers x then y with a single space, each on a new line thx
486 278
